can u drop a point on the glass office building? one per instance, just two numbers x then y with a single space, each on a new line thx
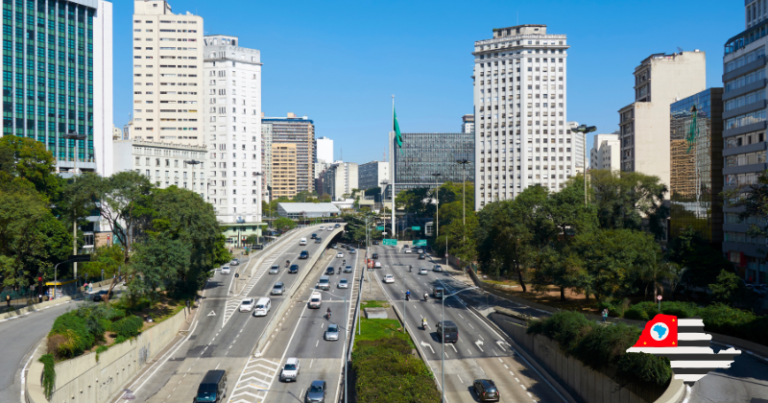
696 165
424 154
49 80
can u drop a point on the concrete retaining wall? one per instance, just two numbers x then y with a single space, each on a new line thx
87 380
589 385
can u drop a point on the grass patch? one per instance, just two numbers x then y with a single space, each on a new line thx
374 304
376 329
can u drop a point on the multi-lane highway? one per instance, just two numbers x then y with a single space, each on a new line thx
222 337
480 352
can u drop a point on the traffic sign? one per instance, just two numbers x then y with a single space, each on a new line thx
390 242
420 242
658 297
380 228
416 228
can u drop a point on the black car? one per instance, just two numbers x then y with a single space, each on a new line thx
318 240
422 256
486 390
330 270
304 255
293 269
375 242
213 387
448 331
314 236
337 226
99 296
375 256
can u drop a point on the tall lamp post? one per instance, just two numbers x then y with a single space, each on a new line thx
193 163
384 184
463 163
442 336
585 129
74 136
437 203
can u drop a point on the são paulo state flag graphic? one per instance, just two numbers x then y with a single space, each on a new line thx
686 345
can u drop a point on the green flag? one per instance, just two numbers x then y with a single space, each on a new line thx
398 136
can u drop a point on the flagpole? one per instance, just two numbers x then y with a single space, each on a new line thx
394 168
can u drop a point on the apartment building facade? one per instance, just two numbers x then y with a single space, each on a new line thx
373 174
468 124
299 131
744 147
659 80
167 74
605 152
232 131
57 79
284 170
340 179
520 98
164 164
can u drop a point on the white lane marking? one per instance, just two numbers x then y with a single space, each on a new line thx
479 345
454 348
523 386
425 344
505 365
529 394
318 343
311 362
217 366
470 325
511 373
481 336
460 380
517 380
23 377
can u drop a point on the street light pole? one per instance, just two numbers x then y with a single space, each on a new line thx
442 336
74 136
193 163
584 129
437 203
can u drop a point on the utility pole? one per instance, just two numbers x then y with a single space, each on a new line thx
437 204
585 129
74 136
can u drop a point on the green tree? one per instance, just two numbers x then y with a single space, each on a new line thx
703 260
354 231
156 264
26 160
284 224
623 199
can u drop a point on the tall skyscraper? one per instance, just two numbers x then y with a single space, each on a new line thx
744 116
167 74
372 174
659 81
60 82
424 154
301 132
521 137
266 159
324 150
283 170
339 180
233 132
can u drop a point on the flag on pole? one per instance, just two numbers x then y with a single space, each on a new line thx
398 136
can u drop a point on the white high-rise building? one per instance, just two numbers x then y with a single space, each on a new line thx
468 124
233 132
324 150
521 136
340 179
372 174
606 152
167 74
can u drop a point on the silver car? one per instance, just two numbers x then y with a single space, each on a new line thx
332 333
278 288
343 283
290 370
274 269
316 392
348 269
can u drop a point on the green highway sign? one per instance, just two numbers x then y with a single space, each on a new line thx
380 228
420 242
390 242
416 228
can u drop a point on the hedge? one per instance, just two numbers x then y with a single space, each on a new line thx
79 330
603 347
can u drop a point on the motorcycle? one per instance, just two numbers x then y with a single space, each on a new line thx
287 263
425 296
407 297
424 324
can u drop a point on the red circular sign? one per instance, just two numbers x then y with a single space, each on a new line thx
658 297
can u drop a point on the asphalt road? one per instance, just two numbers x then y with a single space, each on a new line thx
222 337
302 336
479 352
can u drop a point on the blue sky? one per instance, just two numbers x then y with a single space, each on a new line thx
339 62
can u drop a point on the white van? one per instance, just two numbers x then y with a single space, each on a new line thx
225 270
303 241
262 307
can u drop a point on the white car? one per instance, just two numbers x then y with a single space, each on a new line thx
247 305
343 283
290 370
389 279
225 270
407 251
377 265
340 255
422 270
322 228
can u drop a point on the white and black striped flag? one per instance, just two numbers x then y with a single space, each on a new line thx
686 345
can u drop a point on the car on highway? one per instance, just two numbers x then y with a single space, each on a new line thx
375 256
293 269
290 370
340 255
303 242
377 265
352 250
322 228
375 242
225 270
324 283
388 279
304 255
407 250
315 300
99 296
329 270
274 269
316 392
343 283
318 240
278 288
334 246
438 292
213 387
437 267
263 305
422 256
348 269
448 330
314 236
246 305
332 332
486 390
423 270
337 226
234 262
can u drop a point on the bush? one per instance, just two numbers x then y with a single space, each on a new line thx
680 309
605 344
641 311
565 327
128 327
647 368
49 374
720 318
74 335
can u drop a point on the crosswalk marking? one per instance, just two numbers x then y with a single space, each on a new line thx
254 381
234 301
